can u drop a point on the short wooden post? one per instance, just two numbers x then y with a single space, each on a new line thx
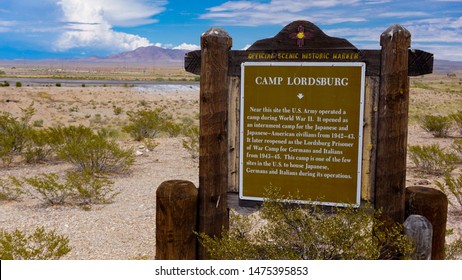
420 231
433 205
176 212
392 127
213 142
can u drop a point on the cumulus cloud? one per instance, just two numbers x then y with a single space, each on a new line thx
90 23
187 47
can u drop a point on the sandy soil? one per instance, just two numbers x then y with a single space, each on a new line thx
125 229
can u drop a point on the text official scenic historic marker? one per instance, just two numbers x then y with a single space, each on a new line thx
301 130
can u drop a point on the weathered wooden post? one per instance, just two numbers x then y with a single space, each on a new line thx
390 176
176 212
433 205
213 142
420 231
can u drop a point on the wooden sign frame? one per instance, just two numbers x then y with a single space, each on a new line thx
386 111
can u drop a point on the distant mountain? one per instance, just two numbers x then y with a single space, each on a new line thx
143 56
446 66
150 54
160 57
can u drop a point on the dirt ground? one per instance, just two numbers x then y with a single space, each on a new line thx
125 229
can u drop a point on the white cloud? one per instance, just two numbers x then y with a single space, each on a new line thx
187 47
403 14
89 23
253 13
246 47
5 26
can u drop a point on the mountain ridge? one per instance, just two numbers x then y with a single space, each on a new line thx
160 57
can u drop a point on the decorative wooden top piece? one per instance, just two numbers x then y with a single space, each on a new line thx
300 35
302 41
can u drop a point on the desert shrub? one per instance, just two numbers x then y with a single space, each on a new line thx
457 146
453 250
18 84
191 140
5 84
81 188
117 110
314 234
150 143
438 126
47 188
40 245
39 145
96 153
145 123
89 189
38 123
457 117
58 84
13 132
9 191
433 159
452 186
172 128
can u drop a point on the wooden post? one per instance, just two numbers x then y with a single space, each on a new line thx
392 125
176 212
420 231
213 142
433 205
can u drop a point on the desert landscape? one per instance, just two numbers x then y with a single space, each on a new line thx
125 228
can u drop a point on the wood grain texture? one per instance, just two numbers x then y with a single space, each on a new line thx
176 212
433 205
392 126
213 141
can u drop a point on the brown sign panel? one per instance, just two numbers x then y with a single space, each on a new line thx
301 130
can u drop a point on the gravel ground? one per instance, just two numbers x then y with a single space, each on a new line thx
122 230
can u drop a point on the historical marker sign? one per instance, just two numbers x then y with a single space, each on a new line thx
301 130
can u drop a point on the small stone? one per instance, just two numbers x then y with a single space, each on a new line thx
423 182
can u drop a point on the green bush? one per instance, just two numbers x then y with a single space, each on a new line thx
457 117
81 188
18 84
172 128
13 132
39 146
433 159
92 152
438 126
299 232
145 123
457 146
46 188
5 84
38 123
117 110
452 186
191 140
89 189
40 245
9 191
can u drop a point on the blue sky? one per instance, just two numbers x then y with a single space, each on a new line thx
35 29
